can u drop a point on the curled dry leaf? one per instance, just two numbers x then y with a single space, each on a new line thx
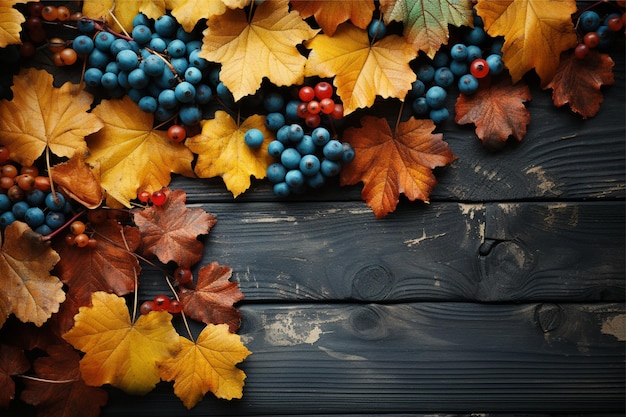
578 82
331 13
212 300
76 179
497 110
170 231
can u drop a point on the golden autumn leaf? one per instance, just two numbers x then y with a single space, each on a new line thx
331 13
28 289
223 152
189 12
362 70
262 47
578 82
426 21
118 352
207 365
390 163
76 179
497 110
10 23
41 115
131 156
124 11
535 33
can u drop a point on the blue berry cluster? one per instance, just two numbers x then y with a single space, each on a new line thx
159 68
43 211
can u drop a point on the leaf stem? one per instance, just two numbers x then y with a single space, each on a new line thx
399 117
49 381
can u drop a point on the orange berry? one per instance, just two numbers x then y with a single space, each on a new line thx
68 56
42 183
50 13
81 240
77 227
63 13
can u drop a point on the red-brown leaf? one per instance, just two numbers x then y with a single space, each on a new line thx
70 398
12 362
170 231
578 82
213 298
497 110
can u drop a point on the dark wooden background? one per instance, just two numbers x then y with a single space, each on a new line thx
503 295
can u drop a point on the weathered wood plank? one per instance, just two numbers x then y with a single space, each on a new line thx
419 358
444 251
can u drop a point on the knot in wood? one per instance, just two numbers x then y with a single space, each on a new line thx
505 266
372 283
368 323
548 316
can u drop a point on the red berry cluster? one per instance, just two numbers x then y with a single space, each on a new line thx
318 100
161 302
157 198
78 236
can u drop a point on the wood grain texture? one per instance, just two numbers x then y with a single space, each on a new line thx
494 252
431 357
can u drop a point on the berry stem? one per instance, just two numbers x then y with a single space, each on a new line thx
67 223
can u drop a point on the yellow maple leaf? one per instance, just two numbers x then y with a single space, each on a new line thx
223 152
28 290
41 115
262 47
124 11
10 23
426 21
118 352
535 33
362 70
331 13
207 365
189 12
131 155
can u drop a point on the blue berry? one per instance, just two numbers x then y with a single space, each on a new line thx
315 181
439 115
167 99
275 148
473 53
496 65
281 189
295 133
55 219
6 218
254 138
273 102
140 19
426 73
190 114
158 45
306 146
468 84
162 114
444 77
185 92
103 41
136 94
85 25
197 61
435 97
138 79
348 153
176 48
5 202
93 77
276 173
184 35
294 178
167 79
180 64
376 29
153 65
459 68
83 45
148 104
193 75
34 217
274 121
309 165
193 46
282 135
420 107
291 111
589 21
459 52
476 36
127 60
224 93
19 209
440 59
333 150
497 44
320 136
166 26
606 37
43 229
109 80
112 67
119 45
330 168
203 93
417 88
290 158
98 59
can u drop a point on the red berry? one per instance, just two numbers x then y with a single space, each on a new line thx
615 24
581 51
175 307
479 68
302 110
161 302
337 111
5 154
312 120
146 307
183 275
158 198
591 39
327 105
323 90
144 196
306 93
176 133
313 107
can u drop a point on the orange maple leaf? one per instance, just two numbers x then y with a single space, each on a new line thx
497 110
12 362
330 13
10 23
262 47
390 163
207 365
535 33
223 152
41 115
170 231
426 21
31 292
212 300
131 155
578 82
362 70
70 396
118 352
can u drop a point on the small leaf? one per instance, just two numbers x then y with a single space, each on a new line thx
69 397
331 13
578 82
207 365
223 152
41 115
170 231
12 362
390 163
76 179
497 110
535 33
212 300
131 155
426 21
262 47
362 70
119 352
25 264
